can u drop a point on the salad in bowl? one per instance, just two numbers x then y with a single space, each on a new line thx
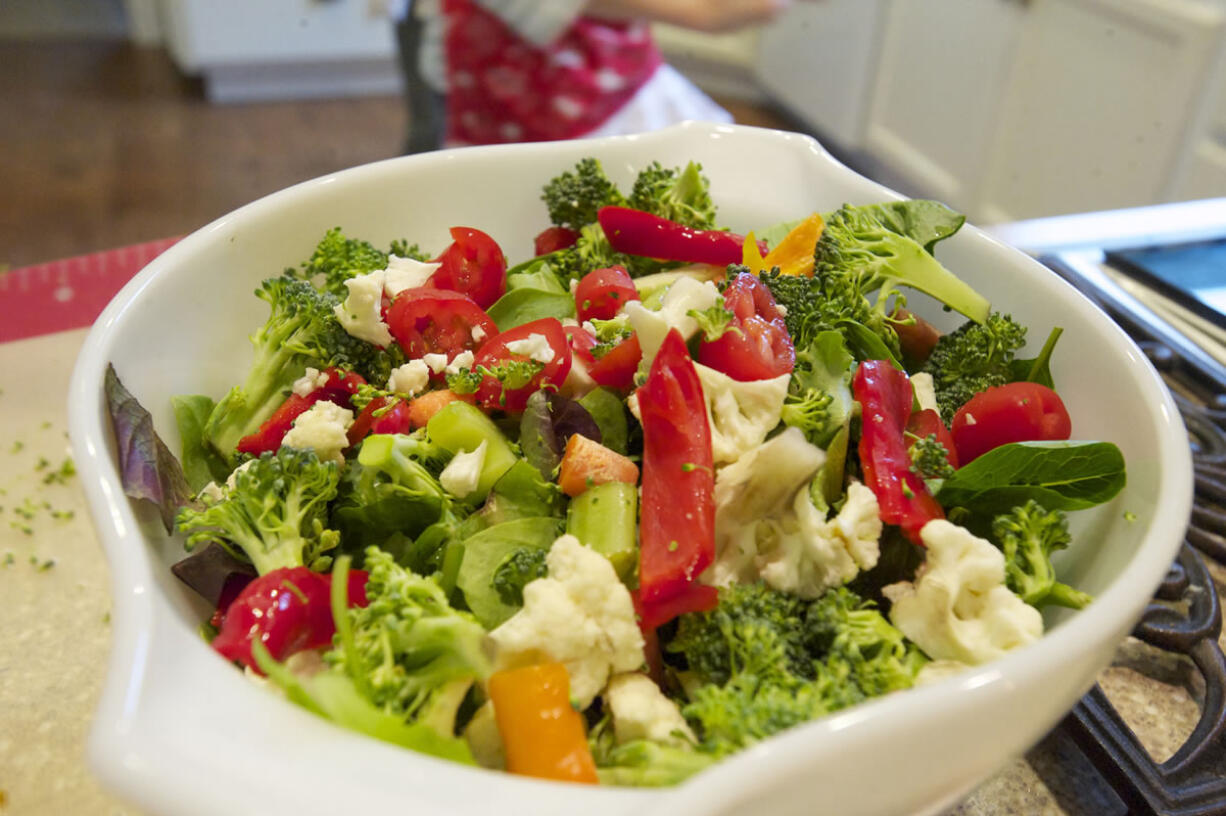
650 496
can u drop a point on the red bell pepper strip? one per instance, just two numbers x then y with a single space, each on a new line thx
696 598
339 388
677 521
640 233
551 239
287 609
885 398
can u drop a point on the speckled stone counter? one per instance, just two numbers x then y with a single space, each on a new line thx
55 634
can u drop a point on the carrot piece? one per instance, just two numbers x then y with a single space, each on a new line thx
542 733
586 464
428 404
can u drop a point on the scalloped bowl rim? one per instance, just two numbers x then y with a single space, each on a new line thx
186 767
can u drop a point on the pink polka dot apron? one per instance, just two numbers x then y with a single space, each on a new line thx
501 88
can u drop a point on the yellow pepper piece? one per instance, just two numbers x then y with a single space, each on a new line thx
794 254
542 733
751 255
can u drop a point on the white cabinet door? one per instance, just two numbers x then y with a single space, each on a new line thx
1100 103
820 61
943 68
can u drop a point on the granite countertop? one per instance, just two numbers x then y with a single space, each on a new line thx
55 633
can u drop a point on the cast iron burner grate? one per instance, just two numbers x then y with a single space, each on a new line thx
1185 617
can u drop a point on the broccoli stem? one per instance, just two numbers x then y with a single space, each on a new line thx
604 518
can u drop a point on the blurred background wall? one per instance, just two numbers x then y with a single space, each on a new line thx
127 120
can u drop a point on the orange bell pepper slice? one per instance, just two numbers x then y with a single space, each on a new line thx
542 733
793 255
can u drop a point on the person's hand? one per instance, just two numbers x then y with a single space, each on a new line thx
709 16
717 16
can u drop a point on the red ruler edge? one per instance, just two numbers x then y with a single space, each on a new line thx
68 293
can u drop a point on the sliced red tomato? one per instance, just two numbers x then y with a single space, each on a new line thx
677 521
473 265
885 398
554 238
287 609
581 343
616 369
382 415
757 345
437 321
1016 412
494 352
927 423
339 387
601 293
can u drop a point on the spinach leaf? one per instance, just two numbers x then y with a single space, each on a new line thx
201 463
1037 370
609 413
924 222
1058 475
533 292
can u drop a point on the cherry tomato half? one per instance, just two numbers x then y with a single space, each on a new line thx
287 609
757 345
494 352
601 293
1016 412
473 265
552 239
382 415
438 321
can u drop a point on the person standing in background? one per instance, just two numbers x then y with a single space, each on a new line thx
497 71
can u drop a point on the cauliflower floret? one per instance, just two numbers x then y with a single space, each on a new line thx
741 414
766 527
806 555
361 313
312 380
436 361
580 615
959 608
641 711
460 362
925 390
405 273
322 428
535 347
652 326
409 379
463 472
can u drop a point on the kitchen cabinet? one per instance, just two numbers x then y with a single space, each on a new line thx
1098 108
283 48
1012 109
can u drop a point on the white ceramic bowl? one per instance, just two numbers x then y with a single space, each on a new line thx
179 731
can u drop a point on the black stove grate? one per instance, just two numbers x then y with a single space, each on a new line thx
1185 616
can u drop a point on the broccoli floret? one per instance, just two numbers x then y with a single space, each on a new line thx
973 358
408 651
860 254
819 398
273 515
768 660
678 195
403 249
302 330
647 764
719 644
862 649
524 566
337 258
574 196
1028 535
930 459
